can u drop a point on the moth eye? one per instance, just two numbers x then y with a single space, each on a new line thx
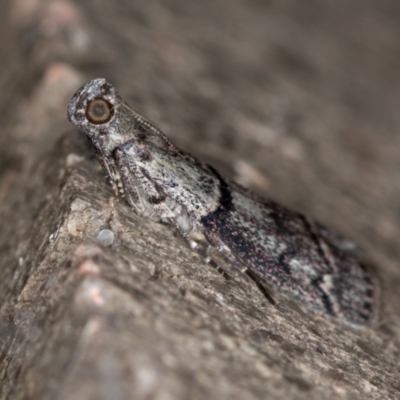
99 111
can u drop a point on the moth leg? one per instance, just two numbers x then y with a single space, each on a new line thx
261 287
140 193
204 254
193 237
227 253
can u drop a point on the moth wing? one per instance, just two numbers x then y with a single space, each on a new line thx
289 251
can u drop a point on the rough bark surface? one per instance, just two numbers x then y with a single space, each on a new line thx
298 100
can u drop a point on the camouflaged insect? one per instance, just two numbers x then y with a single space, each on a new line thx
304 259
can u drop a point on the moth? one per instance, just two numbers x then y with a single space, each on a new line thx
302 258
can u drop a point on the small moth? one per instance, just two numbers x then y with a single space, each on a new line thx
302 258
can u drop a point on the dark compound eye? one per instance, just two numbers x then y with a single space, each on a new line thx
99 111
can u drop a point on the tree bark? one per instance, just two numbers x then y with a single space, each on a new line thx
297 101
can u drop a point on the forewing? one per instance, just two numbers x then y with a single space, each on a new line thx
286 249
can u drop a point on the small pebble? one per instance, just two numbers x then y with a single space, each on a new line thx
105 237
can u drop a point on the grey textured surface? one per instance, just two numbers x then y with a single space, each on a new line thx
298 100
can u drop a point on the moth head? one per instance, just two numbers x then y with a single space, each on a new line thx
99 111
93 107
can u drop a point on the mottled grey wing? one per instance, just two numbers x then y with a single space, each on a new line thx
286 249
